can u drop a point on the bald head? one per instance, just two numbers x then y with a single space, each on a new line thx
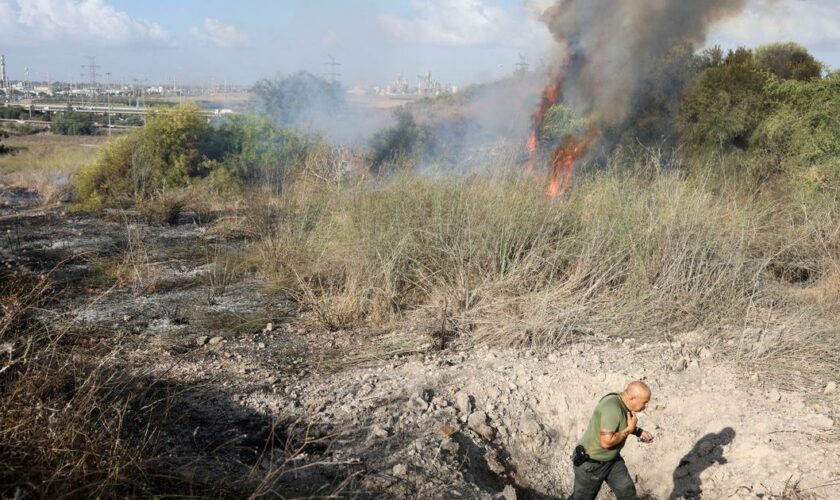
636 395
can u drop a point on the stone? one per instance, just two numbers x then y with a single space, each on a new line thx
464 402
400 470
679 365
830 388
269 327
477 421
417 404
509 493
426 394
821 422
216 340
774 395
440 402
379 431
261 345
529 425
450 446
705 353
201 340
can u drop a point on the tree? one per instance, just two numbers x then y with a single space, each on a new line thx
72 122
298 98
788 61
725 104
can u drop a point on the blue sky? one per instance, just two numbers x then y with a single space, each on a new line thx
460 41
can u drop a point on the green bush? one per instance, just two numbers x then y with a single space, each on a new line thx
295 99
400 146
72 122
788 61
178 147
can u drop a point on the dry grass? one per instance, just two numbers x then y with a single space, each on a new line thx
79 420
45 163
640 250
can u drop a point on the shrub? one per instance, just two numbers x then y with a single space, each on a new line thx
297 98
402 145
788 61
72 122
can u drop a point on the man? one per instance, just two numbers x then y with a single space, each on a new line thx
612 422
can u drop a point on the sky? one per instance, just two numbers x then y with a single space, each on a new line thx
459 41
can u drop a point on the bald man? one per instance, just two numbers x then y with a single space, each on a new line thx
612 422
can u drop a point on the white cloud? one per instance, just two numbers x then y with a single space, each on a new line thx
32 22
462 23
219 34
809 23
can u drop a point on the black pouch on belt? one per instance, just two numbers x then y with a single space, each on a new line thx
579 457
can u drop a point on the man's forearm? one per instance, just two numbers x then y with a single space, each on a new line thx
610 439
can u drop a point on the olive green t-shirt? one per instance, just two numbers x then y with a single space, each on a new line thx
609 414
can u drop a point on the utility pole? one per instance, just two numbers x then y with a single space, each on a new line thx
333 74
3 82
521 67
108 93
25 86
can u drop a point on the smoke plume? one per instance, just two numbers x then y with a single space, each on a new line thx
608 46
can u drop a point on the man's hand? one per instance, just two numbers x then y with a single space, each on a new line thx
646 437
632 421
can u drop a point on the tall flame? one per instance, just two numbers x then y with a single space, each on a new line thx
564 159
566 155
550 96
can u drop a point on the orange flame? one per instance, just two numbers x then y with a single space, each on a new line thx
564 159
565 156
550 96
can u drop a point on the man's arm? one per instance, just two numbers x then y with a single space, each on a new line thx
610 438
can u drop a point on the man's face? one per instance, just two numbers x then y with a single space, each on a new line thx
639 403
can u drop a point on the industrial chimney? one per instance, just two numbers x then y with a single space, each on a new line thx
3 82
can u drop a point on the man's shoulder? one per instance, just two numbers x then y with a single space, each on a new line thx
610 403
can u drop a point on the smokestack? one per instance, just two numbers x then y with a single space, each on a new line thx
610 45
3 81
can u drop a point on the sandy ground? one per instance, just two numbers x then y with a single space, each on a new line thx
463 422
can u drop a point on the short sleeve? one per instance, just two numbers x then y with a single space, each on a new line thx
610 417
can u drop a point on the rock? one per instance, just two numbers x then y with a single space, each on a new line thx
201 340
509 493
821 422
417 404
529 425
400 470
774 395
464 402
261 345
493 463
126 318
705 353
440 402
830 388
379 431
426 394
477 421
216 340
552 358
450 446
269 327
679 365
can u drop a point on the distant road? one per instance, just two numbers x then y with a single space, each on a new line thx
42 122
98 109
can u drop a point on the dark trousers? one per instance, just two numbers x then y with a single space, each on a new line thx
590 476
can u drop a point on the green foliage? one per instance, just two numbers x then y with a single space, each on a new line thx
171 150
788 61
802 136
561 121
725 104
257 151
178 147
402 145
11 113
72 122
297 98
